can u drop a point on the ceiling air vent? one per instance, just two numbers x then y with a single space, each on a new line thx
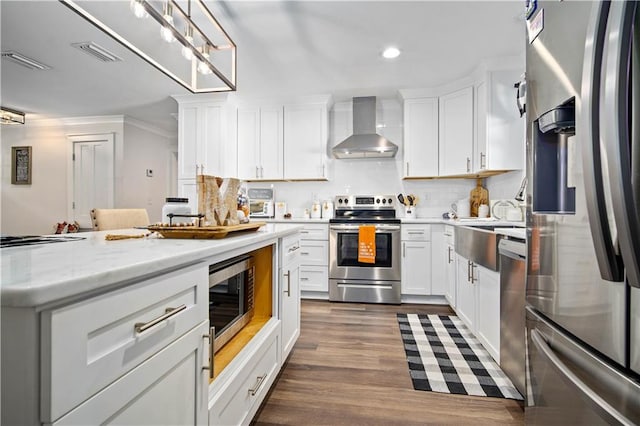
25 61
97 51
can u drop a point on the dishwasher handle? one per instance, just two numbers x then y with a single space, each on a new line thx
514 249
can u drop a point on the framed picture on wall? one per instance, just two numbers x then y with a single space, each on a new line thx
21 165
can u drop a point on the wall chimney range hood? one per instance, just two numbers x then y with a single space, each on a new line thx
365 142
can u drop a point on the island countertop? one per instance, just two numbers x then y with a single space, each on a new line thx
42 274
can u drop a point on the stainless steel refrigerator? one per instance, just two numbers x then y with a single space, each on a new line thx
583 213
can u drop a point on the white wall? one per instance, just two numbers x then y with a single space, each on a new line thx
35 208
383 176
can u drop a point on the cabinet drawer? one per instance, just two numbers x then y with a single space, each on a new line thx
96 341
290 249
236 404
314 278
315 231
147 395
416 232
449 234
314 252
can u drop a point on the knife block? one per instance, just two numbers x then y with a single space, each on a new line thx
218 200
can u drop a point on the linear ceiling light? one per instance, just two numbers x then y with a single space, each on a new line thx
97 51
210 53
11 116
25 61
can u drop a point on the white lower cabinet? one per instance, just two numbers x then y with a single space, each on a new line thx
314 259
478 303
450 265
290 293
488 310
416 268
237 399
167 389
465 293
416 259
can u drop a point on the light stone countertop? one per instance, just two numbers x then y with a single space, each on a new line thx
42 274
421 220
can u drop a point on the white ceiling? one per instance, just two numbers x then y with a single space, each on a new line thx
284 48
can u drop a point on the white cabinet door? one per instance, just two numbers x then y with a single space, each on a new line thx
466 293
500 134
170 388
188 188
488 312
456 132
438 261
416 267
248 136
421 137
271 143
305 141
450 290
188 148
290 307
202 140
260 142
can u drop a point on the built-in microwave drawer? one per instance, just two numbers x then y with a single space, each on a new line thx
415 232
96 341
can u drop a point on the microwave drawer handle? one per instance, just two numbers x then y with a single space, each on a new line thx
211 338
139 327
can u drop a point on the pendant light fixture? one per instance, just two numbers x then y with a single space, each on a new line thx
11 116
210 53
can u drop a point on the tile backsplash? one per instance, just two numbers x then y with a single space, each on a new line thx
382 176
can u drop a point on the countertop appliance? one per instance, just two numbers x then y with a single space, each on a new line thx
354 281
261 202
583 213
513 255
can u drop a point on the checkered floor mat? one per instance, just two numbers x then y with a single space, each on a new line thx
444 356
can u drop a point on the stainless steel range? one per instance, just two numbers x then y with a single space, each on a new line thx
349 279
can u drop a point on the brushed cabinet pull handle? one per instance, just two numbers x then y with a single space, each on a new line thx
404 249
260 380
468 271
261 172
288 291
211 338
449 254
468 164
139 327
407 168
482 160
473 275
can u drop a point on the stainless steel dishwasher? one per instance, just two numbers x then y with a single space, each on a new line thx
513 255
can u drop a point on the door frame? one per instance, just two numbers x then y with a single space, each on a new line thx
89 137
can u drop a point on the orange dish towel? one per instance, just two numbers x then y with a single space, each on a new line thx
367 244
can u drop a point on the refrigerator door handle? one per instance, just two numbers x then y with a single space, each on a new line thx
603 406
609 262
619 113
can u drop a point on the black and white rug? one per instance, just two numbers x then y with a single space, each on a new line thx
444 356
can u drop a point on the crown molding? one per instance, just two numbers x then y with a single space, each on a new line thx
143 125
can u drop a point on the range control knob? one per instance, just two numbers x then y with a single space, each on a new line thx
384 201
390 201
339 200
377 200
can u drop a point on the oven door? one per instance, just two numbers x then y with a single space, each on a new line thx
343 253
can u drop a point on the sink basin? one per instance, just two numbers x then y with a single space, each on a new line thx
478 244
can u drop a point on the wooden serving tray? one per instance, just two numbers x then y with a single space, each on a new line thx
203 232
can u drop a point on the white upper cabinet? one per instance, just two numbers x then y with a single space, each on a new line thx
260 143
499 142
203 138
421 137
456 132
305 141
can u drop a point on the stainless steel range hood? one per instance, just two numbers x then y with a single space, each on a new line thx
365 142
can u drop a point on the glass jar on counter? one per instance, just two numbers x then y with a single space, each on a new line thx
176 206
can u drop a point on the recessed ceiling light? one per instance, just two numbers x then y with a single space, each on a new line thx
391 52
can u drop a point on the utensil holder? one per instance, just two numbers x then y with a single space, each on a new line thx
410 212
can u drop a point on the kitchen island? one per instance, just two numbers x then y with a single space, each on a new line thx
75 349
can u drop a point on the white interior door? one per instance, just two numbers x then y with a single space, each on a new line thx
93 175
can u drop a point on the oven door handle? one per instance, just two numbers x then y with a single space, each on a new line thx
379 227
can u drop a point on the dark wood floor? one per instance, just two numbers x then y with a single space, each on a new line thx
349 367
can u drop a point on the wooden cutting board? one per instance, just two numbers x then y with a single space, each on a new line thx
479 195
203 232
